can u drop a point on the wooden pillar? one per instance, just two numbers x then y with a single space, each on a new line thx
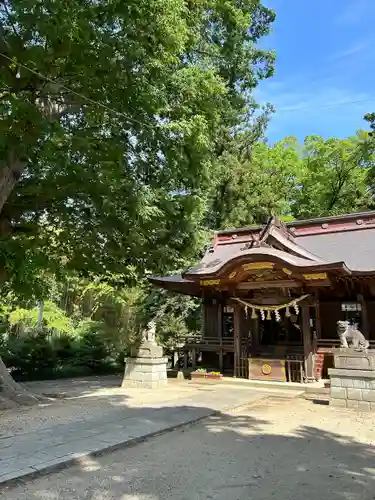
255 340
236 336
220 321
186 359
203 319
221 361
318 356
364 316
318 324
307 342
220 334
194 358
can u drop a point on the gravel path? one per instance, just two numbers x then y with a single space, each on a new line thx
278 449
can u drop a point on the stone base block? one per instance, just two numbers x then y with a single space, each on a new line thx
148 373
339 403
350 359
352 388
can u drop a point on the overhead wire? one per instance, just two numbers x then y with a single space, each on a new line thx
134 120
78 94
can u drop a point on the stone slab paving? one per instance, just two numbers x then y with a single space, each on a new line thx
272 450
54 446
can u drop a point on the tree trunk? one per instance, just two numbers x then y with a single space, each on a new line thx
9 176
11 393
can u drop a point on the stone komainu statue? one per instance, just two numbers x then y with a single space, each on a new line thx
149 335
346 332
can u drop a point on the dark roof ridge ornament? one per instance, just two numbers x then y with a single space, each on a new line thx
275 223
260 241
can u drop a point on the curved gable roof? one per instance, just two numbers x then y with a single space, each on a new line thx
345 243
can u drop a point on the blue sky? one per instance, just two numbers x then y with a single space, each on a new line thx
325 64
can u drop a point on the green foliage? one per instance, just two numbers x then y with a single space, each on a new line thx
30 357
40 354
130 133
115 113
91 335
370 118
251 188
333 177
176 316
53 318
320 177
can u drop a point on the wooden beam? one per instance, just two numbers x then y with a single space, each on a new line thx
249 285
318 283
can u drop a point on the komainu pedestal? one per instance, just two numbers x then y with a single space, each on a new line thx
353 379
146 367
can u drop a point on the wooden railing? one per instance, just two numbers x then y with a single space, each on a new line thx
327 344
228 343
214 342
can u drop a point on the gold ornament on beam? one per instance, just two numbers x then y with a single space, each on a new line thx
251 266
315 276
209 282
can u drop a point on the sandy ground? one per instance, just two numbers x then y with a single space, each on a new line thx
278 449
84 399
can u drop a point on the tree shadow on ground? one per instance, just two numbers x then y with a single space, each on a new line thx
73 387
227 456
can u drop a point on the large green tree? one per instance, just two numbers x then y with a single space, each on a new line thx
292 180
334 176
111 116
253 184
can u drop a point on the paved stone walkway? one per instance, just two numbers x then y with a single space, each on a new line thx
53 444
272 450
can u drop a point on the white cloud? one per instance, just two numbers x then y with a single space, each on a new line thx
357 49
328 110
353 11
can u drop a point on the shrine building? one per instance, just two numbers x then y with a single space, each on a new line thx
272 295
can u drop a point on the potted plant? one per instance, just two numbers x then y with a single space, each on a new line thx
199 373
214 375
